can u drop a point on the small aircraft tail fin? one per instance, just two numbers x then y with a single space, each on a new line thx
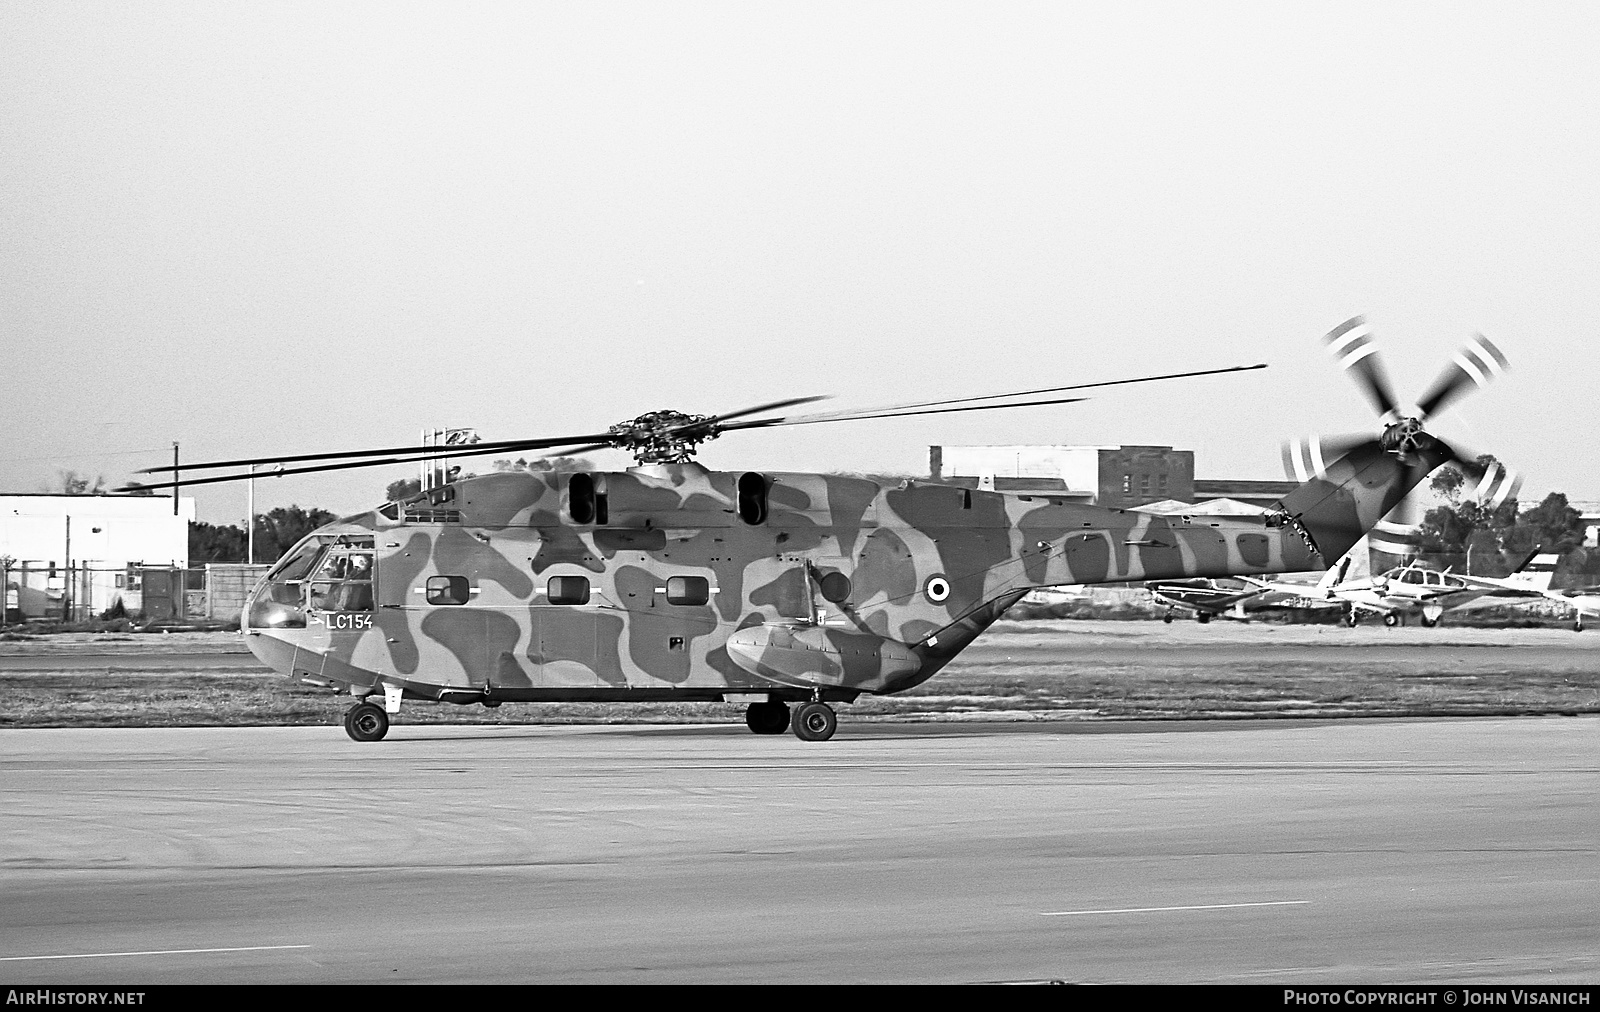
1336 574
1536 571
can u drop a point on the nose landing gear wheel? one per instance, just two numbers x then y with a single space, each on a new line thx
767 718
815 722
1351 619
366 722
1202 617
1391 620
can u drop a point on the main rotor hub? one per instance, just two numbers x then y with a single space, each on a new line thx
664 437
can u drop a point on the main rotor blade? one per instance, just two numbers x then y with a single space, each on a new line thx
936 407
476 450
891 413
1351 343
775 405
422 452
881 411
1479 362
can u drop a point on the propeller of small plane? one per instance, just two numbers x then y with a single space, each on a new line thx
655 437
1476 365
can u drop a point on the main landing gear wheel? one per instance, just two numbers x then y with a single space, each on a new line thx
1391 620
815 722
366 722
767 718
1202 617
1167 618
1429 623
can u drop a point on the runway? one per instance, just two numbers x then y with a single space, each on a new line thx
1267 851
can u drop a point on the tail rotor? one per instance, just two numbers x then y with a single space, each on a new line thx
1403 435
1356 483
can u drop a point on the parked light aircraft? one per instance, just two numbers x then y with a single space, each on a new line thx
1414 589
668 581
1581 603
1239 598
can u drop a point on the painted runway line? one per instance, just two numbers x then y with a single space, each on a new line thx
153 952
1162 910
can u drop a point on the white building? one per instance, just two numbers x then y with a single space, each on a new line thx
61 549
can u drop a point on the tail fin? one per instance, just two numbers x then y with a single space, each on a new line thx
1536 571
1336 574
1337 508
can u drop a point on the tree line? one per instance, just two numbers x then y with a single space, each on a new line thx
1467 536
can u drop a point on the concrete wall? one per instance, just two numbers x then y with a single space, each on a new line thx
228 584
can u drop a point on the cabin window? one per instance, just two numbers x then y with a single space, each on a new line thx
581 498
835 587
688 590
568 590
753 497
448 590
343 582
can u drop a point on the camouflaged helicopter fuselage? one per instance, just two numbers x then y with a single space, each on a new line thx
845 585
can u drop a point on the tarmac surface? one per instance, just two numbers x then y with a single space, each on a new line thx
1384 851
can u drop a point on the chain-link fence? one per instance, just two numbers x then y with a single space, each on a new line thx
41 591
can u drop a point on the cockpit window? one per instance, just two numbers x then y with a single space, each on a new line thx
299 563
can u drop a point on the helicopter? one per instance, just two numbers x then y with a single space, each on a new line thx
669 581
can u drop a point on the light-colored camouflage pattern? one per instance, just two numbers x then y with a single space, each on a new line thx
845 586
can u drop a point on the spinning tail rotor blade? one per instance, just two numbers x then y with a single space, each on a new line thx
1489 483
1352 345
1477 363
1310 456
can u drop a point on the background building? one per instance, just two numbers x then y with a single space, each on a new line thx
1119 477
73 555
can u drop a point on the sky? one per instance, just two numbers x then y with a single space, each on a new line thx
276 228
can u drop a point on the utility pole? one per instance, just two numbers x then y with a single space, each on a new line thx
250 521
175 477
67 581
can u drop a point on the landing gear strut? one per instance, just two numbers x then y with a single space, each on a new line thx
1351 618
366 722
815 722
771 717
